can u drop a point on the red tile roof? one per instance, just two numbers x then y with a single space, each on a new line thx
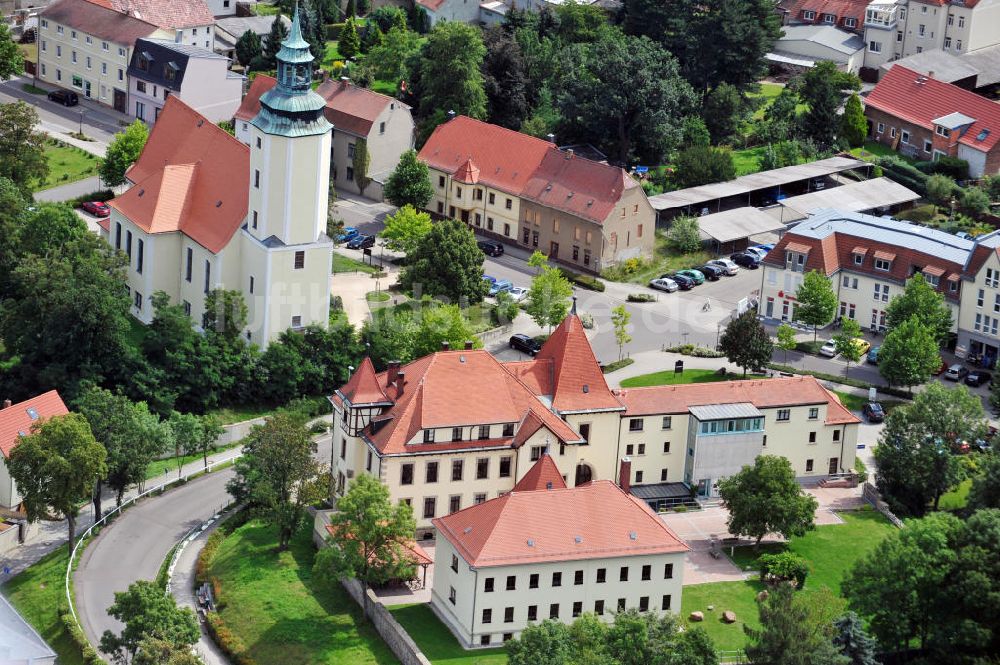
543 475
526 166
840 8
762 393
432 5
250 105
363 386
16 420
467 173
351 108
98 20
592 521
192 177
900 94
169 14
410 550
577 381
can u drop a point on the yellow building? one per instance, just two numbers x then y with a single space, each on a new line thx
207 212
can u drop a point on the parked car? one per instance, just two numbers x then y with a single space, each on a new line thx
500 286
664 284
64 97
759 252
863 346
711 273
978 377
490 248
956 372
518 293
728 266
746 260
525 344
829 349
693 274
97 208
766 246
361 241
873 355
349 233
684 283
874 412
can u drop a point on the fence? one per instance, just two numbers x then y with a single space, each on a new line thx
870 495
736 657
394 635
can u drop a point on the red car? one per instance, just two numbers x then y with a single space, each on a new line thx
97 208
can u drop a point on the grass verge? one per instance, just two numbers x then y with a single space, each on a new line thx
857 402
33 89
66 164
669 378
343 263
957 498
437 642
156 467
617 365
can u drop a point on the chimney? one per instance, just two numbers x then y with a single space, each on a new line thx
551 138
451 114
392 371
344 81
625 475
400 382
930 74
6 403
468 345
569 153
445 346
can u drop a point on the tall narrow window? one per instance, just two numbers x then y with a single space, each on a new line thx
118 235
300 260
208 275
138 259
188 263
128 245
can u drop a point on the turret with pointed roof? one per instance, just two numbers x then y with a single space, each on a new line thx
578 383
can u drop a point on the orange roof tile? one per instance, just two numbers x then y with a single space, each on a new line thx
577 185
363 386
577 380
100 20
592 521
351 108
467 173
171 14
543 475
191 177
762 393
250 105
16 420
411 550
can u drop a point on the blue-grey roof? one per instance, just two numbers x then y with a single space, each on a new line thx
238 25
825 35
19 642
724 411
932 242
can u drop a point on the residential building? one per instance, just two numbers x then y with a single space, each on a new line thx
229 30
221 8
426 432
897 29
205 211
552 552
16 421
978 71
925 118
526 191
844 14
87 45
360 117
198 77
802 46
979 313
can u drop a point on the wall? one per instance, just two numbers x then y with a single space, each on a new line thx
445 197
211 89
9 496
970 305
395 637
386 148
574 233
632 234
983 25
917 134
466 11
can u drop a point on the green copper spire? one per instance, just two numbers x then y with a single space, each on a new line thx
291 108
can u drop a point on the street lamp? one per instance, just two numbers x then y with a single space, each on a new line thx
82 111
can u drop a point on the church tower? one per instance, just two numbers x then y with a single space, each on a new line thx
287 254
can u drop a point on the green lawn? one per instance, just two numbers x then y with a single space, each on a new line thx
38 593
857 402
155 469
66 164
282 616
667 260
343 263
748 160
437 642
957 498
377 296
227 415
669 378
872 149
265 9
331 54
769 91
831 550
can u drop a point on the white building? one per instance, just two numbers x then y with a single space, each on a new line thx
16 421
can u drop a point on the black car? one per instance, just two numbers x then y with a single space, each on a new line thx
64 97
745 260
525 344
874 412
361 241
711 273
683 281
977 377
490 248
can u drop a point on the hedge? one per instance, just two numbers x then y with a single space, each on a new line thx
333 31
99 195
580 279
88 652
617 365
640 297
230 644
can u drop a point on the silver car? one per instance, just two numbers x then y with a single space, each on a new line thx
727 266
664 284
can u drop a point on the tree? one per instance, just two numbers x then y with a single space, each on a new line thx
914 455
22 149
702 164
194 435
153 651
821 122
312 28
746 343
361 161
11 60
941 189
351 9
248 48
853 124
782 153
504 79
278 34
548 297
919 299
793 631
545 643
695 131
684 234
312 361
853 641
786 339
147 612
783 568
349 44
507 308
225 314
909 354
817 303
370 536
447 263
55 468
780 119
391 58
985 490
409 183
450 74
847 344
624 95
975 201
764 498
405 229
620 318
122 152
438 324
723 112
276 474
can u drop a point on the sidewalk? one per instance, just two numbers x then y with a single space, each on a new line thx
182 589
69 191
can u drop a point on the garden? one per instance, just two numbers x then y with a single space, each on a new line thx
436 641
66 164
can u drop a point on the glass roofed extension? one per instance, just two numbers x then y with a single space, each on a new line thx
738 418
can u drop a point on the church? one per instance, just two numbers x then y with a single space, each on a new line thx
203 211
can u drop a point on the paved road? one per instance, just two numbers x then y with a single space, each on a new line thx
99 122
70 191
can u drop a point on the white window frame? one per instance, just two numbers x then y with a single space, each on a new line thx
874 46
883 265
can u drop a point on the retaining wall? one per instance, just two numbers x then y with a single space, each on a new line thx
398 640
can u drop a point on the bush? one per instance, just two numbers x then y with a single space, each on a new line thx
695 351
580 279
953 167
861 469
843 380
587 320
333 31
617 365
230 644
207 554
784 567
641 297
921 214
99 195
88 652
621 271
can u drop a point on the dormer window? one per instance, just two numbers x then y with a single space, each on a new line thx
170 71
456 433
829 18
808 15
508 429
883 261
144 60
